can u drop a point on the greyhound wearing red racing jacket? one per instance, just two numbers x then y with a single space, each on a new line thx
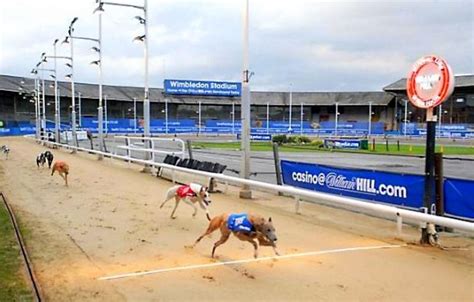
190 194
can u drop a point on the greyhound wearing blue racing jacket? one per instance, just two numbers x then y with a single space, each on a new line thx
246 227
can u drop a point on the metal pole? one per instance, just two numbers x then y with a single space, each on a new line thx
405 120
105 115
233 117
166 115
43 122
301 120
37 107
289 114
370 120
146 101
79 109
440 115
73 99
100 109
336 119
428 199
56 99
268 117
245 107
134 115
199 118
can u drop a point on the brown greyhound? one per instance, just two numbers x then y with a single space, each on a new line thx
62 168
246 227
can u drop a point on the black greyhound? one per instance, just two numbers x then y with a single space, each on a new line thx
43 157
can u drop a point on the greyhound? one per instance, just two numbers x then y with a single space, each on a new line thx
62 168
42 157
190 194
5 150
246 227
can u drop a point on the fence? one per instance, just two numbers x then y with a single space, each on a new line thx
377 209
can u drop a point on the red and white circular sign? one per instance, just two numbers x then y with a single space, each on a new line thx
430 82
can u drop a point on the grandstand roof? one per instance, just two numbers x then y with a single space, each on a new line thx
459 81
127 93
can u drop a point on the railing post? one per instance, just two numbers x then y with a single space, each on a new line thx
190 149
297 204
276 158
399 224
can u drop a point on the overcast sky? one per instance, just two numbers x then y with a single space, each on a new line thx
314 45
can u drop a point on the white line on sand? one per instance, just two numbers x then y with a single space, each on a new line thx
207 265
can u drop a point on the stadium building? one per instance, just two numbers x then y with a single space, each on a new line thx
314 108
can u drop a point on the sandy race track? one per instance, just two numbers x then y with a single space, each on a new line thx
108 222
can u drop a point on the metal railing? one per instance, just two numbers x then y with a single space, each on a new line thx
137 143
313 196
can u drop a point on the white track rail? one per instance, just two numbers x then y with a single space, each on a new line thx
131 145
376 209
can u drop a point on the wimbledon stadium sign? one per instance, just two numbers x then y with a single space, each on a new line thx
206 88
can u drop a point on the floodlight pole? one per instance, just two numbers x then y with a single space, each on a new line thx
245 107
43 95
336 119
100 110
56 100
146 101
73 96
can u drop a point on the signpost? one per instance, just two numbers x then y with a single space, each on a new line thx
429 83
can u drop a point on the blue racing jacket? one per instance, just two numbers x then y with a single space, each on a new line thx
240 223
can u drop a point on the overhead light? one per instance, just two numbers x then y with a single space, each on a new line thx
39 63
99 9
96 49
140 19
51 85
22 82
66 40
69 65
32 101
34 71
53 76
68 76
97 62
74 21
139 38
459 100
55 41
44 60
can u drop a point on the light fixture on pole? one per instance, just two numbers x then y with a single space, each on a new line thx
336 119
